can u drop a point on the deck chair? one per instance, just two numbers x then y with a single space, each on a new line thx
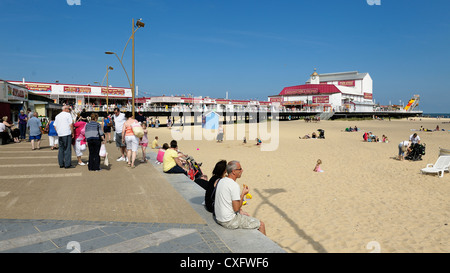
442 163
444 152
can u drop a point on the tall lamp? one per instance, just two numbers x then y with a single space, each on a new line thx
108 68
135 27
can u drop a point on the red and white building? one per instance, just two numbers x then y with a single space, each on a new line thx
346 91
79 95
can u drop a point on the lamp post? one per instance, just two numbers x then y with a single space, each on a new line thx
132 84
108 68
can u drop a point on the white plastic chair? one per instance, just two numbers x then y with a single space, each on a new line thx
442 163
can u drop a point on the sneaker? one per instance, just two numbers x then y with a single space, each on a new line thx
82 164
121 159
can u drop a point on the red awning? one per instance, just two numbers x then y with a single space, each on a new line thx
309 89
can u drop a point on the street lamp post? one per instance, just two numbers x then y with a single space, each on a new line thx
132 84
108 68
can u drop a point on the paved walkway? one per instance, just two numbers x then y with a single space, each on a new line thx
47 209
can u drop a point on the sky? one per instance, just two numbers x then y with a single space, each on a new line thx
251 49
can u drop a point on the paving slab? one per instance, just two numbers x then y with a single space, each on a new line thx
44 208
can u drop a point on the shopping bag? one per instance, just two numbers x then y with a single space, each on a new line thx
106 160
102 151
82 147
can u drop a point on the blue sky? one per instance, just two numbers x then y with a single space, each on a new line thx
250 48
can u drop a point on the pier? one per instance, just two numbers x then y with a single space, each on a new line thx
194 117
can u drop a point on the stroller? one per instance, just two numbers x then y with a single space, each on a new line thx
321 133
194 168
417 151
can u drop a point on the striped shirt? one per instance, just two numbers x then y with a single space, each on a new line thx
93 130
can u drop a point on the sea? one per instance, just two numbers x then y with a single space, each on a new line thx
436 115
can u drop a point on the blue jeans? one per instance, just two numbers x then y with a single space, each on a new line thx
65 151
23 130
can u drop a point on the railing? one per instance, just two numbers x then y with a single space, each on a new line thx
184 108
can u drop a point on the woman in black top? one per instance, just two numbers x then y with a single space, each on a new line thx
218 173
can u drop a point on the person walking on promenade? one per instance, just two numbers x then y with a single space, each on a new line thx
228 202
107 128
94 136
64 127
29 116
130 140
79 139
144 143
34 124
119 120
23 119
52 134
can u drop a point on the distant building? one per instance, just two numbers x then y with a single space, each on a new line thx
78 95
14 97
338 92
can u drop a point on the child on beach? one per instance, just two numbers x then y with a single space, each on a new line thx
258 141
160 156
144 143
317 168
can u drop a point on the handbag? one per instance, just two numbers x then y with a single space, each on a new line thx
137 130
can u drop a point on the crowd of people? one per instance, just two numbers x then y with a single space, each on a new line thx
81 132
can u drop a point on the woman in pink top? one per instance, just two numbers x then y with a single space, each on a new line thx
79 140
160 156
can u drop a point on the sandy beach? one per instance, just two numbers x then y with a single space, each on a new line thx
365 200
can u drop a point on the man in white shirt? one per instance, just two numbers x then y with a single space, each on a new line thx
414 138
64 127
119 120
228 202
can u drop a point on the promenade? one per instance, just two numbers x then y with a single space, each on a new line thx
44 208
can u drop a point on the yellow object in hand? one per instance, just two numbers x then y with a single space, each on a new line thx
248 196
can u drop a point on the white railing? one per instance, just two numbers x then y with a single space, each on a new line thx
185 108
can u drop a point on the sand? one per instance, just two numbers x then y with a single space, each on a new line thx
364 201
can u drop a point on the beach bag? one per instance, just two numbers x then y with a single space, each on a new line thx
137 130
